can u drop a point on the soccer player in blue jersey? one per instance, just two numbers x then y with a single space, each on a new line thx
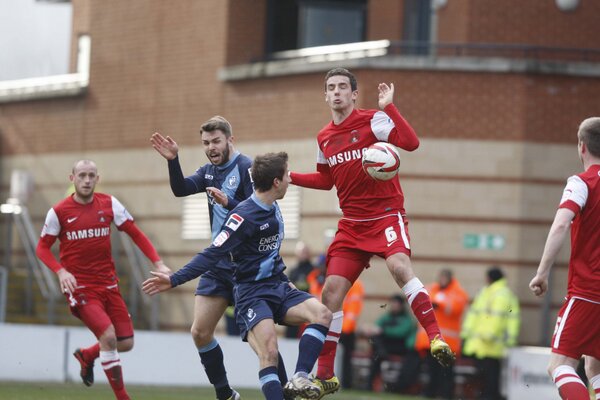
251 238
226 181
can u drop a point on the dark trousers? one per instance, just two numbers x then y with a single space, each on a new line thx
441 380
349 342
489 369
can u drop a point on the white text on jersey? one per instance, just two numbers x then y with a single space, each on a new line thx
88 233
269 243
345 156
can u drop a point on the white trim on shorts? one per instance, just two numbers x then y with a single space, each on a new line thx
562 324
403 232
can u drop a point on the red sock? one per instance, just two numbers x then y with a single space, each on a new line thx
570 386
327 356
112 368
115 378
91 353
326 359
419 301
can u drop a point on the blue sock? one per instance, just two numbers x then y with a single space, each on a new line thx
270 385
310 346
211 356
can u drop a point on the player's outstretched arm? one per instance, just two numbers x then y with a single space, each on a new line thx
556 237
313 180
403 136
141 241
160 283
386 95
166 147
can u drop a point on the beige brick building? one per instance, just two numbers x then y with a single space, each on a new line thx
494 89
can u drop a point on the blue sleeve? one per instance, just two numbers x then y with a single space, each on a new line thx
224 243
183 186
196 267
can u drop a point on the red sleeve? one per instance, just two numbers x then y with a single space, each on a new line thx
571 205
403 135
45 254
314 180
140 239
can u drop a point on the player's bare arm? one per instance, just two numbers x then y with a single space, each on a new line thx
556 237
218 196
160 283
67 281
166 147
386 95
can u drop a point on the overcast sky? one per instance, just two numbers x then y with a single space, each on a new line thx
34 38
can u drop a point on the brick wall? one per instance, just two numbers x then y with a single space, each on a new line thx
154 67
514 21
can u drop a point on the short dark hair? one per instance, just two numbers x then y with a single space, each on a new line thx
266 168
217 123
589 134
343 72
494 274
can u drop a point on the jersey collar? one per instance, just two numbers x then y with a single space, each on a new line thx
259 203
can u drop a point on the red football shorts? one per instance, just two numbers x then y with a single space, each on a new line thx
100 307
355 242
577 330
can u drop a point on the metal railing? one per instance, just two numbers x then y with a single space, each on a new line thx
36 271
139 273
501 50
3 290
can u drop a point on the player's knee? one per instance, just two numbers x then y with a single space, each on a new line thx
125 345
108 340
333 297
201 334
323 316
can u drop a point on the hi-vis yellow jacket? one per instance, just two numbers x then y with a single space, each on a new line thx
492 322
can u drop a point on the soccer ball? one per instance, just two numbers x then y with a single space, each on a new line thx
381 161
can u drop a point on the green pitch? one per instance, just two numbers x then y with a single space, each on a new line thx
53 391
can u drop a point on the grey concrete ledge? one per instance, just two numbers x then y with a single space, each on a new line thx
325 62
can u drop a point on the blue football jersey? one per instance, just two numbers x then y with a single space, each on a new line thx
233 178
250 238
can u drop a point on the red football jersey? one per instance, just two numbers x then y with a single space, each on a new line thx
340 152
582 196
84 234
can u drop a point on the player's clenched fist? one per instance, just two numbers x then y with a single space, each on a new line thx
538 285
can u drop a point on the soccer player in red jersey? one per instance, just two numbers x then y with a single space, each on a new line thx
86 270
577 331
374 221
